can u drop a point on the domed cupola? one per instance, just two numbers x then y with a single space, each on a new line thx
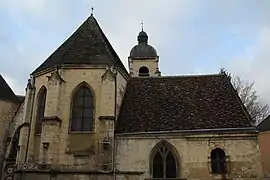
143 50
143 60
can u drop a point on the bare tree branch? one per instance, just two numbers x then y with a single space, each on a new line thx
248 95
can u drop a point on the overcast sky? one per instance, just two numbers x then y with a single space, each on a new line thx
190 36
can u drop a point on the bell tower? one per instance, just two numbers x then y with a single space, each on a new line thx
143 60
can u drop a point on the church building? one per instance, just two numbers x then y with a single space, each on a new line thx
86 117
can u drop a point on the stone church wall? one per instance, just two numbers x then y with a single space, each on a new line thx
72 77
63 146
133 154
77 176
15 123
7 111
39 82
12 140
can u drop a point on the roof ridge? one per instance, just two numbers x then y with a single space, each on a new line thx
107 43
239 101
57 49
72 37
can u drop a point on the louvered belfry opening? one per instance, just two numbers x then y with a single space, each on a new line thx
143 71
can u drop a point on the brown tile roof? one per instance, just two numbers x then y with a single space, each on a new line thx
88 45
181 103
6 93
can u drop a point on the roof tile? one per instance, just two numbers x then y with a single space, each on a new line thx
181 103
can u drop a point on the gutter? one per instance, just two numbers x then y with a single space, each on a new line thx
247 129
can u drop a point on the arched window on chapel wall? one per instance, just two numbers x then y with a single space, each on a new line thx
218 161
82 109
41 101
164 162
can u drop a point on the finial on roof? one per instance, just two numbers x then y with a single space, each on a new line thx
92 11
142 25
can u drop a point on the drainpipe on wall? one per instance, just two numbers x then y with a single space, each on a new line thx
114 141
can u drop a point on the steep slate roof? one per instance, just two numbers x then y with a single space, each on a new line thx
6 93
181 103
264 125
88 45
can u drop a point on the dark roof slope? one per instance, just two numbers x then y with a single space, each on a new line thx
87 45
6 93
21 98
264 125
181 103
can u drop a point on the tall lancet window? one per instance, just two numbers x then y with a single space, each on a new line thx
82 109
40 109
164 162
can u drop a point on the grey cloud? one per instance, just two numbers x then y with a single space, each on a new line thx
183 32
46 24
254 64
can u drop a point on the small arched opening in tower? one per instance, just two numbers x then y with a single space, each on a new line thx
143 71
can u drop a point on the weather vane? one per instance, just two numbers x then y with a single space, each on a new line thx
92 10
142 25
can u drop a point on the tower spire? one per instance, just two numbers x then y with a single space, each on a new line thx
142 25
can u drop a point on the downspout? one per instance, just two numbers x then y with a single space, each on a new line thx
29 131
114 141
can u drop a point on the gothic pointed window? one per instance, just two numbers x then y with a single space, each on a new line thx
82 109
164 163
218 161
40 109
